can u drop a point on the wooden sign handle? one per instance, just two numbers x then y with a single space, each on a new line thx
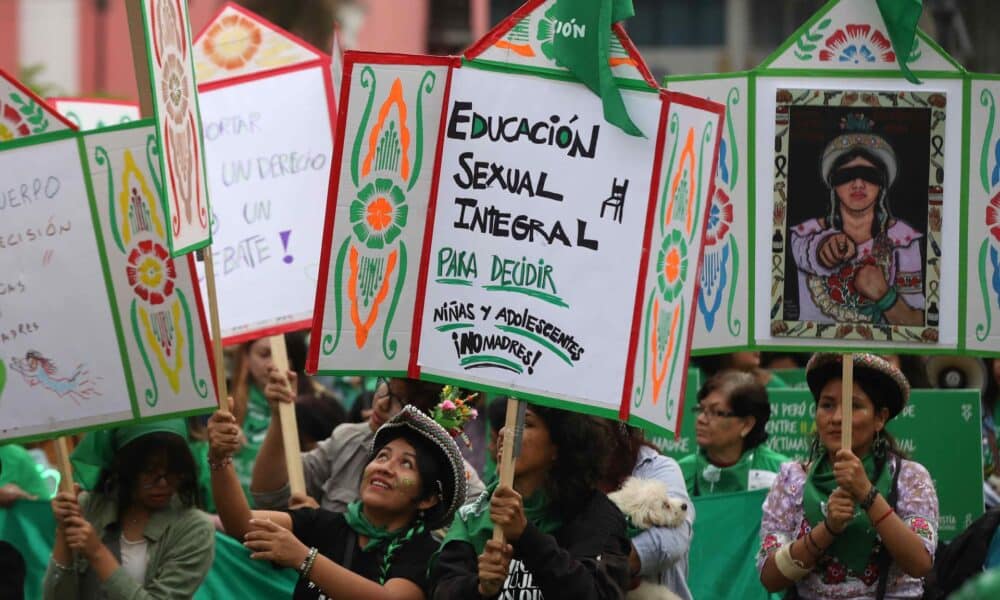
63 464
506 465
213 318
289 426
847 402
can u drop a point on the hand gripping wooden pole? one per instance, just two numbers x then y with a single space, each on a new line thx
506 466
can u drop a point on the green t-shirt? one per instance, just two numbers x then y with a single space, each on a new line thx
755 470
255 429
20 468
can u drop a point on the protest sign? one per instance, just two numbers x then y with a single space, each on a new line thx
164 65
491 228
95 113
97 324
835 85
22 113
268 163
940 429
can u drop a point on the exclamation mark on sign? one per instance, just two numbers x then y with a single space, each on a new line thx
284 244
534 362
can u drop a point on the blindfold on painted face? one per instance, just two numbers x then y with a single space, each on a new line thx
849 174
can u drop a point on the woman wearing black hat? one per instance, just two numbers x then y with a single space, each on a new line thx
414 481
851 523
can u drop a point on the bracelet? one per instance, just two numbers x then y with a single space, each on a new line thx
888 300
222 464
869 499
307 563
792 569
826 523
809 540
883 517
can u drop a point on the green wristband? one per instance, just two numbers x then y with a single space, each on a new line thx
888 301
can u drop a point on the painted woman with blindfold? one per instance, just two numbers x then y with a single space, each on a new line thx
859 264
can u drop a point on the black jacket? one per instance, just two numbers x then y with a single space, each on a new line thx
586 559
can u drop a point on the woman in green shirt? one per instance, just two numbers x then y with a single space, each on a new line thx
732 414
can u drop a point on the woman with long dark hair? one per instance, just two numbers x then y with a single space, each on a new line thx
657 554
136 534
859 263
857 522
564 538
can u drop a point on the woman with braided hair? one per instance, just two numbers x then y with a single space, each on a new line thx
413 483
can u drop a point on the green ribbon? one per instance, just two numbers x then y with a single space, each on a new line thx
581 31
901 18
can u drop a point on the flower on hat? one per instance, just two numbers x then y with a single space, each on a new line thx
453 412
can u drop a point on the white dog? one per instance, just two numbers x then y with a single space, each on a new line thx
646 503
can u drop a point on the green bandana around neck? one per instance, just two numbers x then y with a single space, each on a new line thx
376 535
853 547
901 18
581 42
722 480
472 524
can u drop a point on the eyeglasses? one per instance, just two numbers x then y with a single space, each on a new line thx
712 413
394 399
151 478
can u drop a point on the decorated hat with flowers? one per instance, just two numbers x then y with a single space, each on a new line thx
893 388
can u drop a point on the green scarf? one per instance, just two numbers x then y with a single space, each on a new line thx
901 18
581 42
357 521
472 524
711 479
853 547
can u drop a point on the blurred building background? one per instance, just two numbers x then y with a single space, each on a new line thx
81 47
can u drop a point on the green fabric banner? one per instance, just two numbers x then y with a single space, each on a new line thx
582 43
901 18
724 549
30 527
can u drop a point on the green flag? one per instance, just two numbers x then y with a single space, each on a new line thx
581 42
901 18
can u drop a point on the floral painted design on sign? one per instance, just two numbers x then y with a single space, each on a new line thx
21 116
232 41
178 120
161 319
988 263
858 44
666 307
386 161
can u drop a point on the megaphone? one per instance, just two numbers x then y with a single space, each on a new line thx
956 372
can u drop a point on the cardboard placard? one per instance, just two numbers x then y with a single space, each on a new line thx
491 228
98 325
171 98
268 160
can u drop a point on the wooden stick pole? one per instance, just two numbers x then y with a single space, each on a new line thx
213 317
63 464
506 465
847 403
289 426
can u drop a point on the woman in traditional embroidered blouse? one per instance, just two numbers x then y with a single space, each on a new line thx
858 523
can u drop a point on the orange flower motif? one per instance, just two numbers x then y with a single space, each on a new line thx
673 267
233 42
379 213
